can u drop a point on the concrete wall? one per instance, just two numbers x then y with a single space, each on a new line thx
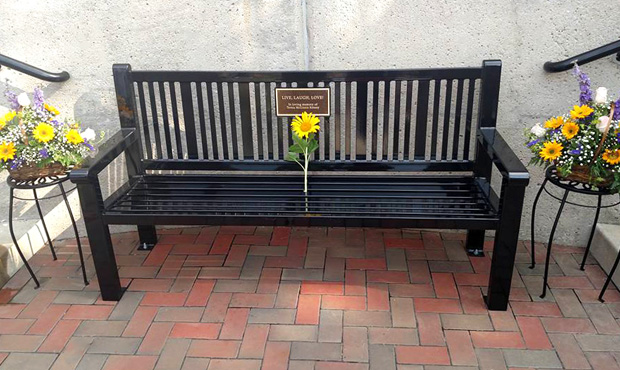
86 37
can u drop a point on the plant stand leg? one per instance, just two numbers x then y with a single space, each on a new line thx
77 234
533 223
598 211
47 234
148 237
609 277
19 251
548 258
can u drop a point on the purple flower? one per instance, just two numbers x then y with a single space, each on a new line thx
577 151
89 146
38 98
56 123
43 153
617 110
618 137
12 98
584 85
532 143
16 163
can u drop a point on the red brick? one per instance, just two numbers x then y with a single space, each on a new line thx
460 347
6 295
163 299
444 285
150 285
59 336
140 322
191 249
231 229
280 236
322 287
387 276
412 290
333 302
16 326
88 312
570 282
504 320
3 356
220 273
536 309
11 311
213 348
403 314
48 319
472 300
155 338
177 239
429 328
269 280
237 255
378 297
366 264
308 308
254 340
404 243
116 362
422 355
276 356
38 304
465 278
533 333
567 325
200 293
234 323
217 307
329 365
437 305
158 255
222 243
284 262
252 239
195 330
297 246
354 282
419 272
489 339
432 240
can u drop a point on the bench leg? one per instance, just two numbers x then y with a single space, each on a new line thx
148 237
505 248
474 244
100 244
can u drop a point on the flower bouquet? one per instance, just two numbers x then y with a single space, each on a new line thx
35 142
584 144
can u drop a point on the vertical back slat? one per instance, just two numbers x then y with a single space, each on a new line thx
270 123
175 120
361 117
223 126
457 119
397 121
375 119
246 119
407 131
201 120
335 98
386 120
166 122
259 131
468 119
349 130
446 120
233 121
148 145
190 123
155 118
421 120
435 124
212 126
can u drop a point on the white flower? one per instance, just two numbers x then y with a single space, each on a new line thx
88 134
601 95
538 130
23 100
602 125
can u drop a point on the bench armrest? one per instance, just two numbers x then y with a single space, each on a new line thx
500 153
108 151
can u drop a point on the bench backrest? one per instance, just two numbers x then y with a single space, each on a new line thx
411 120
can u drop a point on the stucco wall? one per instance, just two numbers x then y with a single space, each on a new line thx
86 37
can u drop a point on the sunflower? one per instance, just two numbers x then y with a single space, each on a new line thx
305 125
579 112
43 132
51 109
74 137
7 118
570 129
551 151
7 151
612 156
554 122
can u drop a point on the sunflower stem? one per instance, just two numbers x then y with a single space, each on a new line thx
306 171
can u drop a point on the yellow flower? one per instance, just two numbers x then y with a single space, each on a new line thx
43 132
612 156
51 109
7 118
554 122
7 151
551 151
74 137
570 129
579 112
305 125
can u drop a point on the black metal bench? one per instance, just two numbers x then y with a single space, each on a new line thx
402 148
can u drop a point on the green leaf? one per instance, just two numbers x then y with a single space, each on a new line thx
291 157
312 146
296 149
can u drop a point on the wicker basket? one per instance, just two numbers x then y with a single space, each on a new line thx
33 172
582 174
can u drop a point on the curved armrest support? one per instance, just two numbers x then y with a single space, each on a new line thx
108 151
507 162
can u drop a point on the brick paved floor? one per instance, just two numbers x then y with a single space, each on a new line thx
250 298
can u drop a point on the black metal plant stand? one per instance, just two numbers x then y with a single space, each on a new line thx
552 176
34 185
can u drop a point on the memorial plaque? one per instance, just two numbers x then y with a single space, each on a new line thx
294 101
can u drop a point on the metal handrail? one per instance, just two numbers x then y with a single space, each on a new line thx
32 70
584 58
